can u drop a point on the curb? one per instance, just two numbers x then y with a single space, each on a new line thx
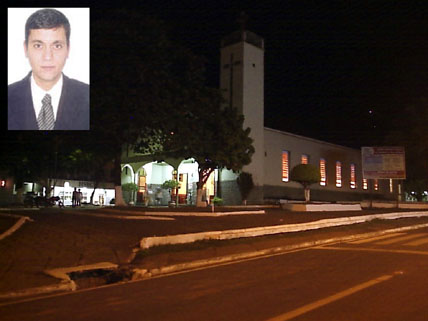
125 217
199 214
63 286
16 226
66 284
4 209
299 207
140 274
209 214
148 242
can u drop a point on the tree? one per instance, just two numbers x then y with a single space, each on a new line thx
142 82
85 164
306 175
245 184
34 156
416 187
212 135
228 145
409 128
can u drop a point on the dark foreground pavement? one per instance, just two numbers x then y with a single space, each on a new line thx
73 237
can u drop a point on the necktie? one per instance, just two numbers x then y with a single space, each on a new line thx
46 120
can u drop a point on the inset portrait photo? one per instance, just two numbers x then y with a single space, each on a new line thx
48 69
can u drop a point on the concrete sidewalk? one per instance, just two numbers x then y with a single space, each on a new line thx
59 239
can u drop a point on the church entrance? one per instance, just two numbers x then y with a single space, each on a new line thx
142 197
182 191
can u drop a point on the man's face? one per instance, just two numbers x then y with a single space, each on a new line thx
47 52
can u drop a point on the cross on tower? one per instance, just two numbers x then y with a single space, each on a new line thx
242 20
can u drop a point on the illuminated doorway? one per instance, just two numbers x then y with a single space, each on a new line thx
210 187
142 187
182 191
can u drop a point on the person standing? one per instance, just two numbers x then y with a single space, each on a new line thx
74 198
79 197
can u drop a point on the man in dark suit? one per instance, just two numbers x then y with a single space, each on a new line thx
46 99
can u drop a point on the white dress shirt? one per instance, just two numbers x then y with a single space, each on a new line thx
38 94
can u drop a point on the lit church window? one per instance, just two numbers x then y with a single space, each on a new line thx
338 174
376 185
353 183
323 172
285 166
365 183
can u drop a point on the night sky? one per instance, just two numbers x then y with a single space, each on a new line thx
327 64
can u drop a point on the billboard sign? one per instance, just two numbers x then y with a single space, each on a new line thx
383 162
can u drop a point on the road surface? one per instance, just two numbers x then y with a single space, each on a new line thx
373 279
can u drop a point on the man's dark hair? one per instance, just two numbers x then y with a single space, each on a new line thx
47 19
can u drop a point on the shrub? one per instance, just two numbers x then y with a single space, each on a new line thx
306 175
245 184
171 184
217 201
129 187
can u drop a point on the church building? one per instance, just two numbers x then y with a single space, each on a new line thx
276 152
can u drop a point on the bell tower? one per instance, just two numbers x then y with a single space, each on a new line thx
242 84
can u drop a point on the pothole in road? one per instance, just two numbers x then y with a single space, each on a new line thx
99 277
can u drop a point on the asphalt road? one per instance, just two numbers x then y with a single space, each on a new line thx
373 279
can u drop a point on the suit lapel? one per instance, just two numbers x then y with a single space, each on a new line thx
63 117
29 114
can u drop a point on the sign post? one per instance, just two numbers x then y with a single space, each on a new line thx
383 163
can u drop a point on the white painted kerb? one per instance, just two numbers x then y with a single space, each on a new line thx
148 242
16 226
302 207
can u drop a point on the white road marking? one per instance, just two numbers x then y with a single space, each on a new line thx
366 249
376 238
317 304
400 239
418 242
